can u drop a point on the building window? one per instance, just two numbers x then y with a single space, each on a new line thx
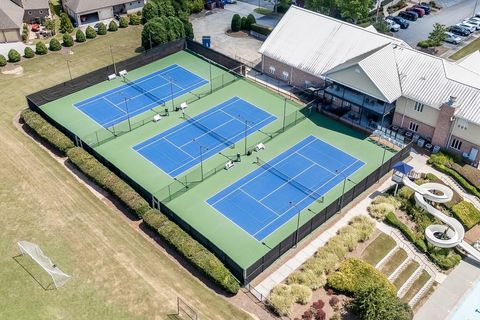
271 69
456 144
462 124
40 12
419 106
413 126
29 13
285 75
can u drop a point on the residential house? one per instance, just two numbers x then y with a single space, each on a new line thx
372 80
13 13
90 11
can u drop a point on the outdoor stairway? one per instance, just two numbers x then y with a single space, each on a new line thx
421 292
399 269
404 288
387 257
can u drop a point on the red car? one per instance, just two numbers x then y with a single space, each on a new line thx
35 27
418 10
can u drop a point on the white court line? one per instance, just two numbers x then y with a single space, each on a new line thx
208 132
304 198
250 196
113 104
177 148
287 182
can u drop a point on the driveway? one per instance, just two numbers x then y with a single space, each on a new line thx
19 46
454 11
216 22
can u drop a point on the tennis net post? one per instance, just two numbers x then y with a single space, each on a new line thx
208 131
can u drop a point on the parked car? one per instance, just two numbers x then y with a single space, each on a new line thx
400 21
424 7
452 38
35 27
459 31
417 10
468 26
474 21
392 25
408 15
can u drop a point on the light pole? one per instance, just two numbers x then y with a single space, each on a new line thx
201 156
113 60
68 66
128 114
247 122
345 178
171 91
298 222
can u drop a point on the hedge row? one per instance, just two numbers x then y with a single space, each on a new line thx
193 251
392 219
459 178
262 29
106 179
466 212
45 130
468 172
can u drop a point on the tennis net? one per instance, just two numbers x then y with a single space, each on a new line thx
209 131
309 192
142 90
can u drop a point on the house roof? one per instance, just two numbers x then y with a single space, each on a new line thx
11 15
390 64
471 62
79 6
35 4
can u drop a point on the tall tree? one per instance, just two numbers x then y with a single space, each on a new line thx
65 23
353 9
437 35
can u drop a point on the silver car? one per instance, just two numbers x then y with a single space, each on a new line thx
468 26
451 38
392 25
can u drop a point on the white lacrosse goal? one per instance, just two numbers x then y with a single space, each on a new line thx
33 251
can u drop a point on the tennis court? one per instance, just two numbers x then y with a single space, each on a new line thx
140 95
185 145
271 195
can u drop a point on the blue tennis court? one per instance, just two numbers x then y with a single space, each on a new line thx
181 147
259 203
134 97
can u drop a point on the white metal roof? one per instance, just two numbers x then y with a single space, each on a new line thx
321 46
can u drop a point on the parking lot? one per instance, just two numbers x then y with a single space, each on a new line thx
453 12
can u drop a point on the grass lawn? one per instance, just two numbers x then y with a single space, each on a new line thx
405 274
416 286
394 262
116 272
378 249
470 48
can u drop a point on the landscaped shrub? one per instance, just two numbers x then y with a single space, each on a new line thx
250 20
405 193
354 275
134 19
444 258
149 11
3 61
106 179
41 48
25 32
67 40
281 300
102 29
13 56
202 259
112 26
123 22
28 53
308 278
333 301
301 294
261 29
471 174
392 219
243 22
380 210
46 131
466 212
90 33
236 23
55 45
80 36
65 23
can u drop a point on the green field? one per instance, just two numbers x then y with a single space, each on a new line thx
191 206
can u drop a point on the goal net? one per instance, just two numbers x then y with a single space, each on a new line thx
33 251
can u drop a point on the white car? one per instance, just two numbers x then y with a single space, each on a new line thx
474 22
468 26
392 25
451 38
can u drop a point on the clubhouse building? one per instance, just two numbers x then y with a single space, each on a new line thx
376 82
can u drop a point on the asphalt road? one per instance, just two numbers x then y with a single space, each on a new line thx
453 12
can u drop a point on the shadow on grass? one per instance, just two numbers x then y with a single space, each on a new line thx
45 285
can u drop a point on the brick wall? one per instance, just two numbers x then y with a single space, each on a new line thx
297 77
423 129
466 147
443 126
